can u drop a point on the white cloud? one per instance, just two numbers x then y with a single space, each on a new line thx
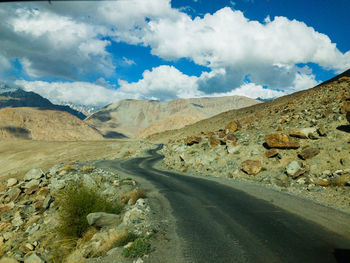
128 62
81 93
162 83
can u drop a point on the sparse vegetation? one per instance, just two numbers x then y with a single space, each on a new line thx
133 196
137 249
76 202
68 168
125 238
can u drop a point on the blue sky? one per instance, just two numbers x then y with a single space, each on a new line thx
94 53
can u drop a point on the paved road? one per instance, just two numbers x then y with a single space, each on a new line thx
221 224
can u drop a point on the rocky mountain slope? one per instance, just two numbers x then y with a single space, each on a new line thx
298 143
141 118
44 124
10 97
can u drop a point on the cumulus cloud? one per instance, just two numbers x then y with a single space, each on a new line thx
80 93
60 40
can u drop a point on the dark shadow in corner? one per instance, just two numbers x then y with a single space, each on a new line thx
344 128
342 255
114 135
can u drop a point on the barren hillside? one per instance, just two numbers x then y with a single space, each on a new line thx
140 118
45 125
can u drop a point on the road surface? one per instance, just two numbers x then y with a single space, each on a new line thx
218 223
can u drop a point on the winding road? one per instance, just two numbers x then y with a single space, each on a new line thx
219 223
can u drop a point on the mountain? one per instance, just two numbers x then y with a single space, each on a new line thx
11 97
141 118
44 124
265 111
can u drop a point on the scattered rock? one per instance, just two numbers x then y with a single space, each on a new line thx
251 167
214 142
34 258
101 219
190 140
271 153
232 127
294 169
33 174
281 141
308 153
11 182
304 133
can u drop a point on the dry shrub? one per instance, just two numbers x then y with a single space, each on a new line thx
87 169
133 195
116 238
89 234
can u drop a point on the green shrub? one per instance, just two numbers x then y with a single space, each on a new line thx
125 239
76 202
139 248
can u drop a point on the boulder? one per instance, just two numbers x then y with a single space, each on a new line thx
33 174
101 219
11 182
281 141
308 153
304 133
251 167
232 126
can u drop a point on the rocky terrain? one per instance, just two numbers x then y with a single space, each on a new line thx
14 97
298 143
44 124
141 118
31 214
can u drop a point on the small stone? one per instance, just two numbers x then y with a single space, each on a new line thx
34 258
294 169
190 140
30 247
251 167
322 130
48 200
6 207
271 153
308 153
13 194
139 260
11 182
33 174
101 219
233 149
281 141
213 141
343 161
304 133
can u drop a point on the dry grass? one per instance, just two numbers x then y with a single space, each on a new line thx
116 238
87 169
68 168
89 234
133 196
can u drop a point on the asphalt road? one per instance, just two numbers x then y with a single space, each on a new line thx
218 223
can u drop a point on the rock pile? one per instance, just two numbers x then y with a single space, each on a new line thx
29 214
301 145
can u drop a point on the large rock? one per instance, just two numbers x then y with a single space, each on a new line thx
251 166
232 127
33 174
101 219
308 153
281 141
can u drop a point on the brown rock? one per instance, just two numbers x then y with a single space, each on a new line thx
251 166
213 142
232 126
6 207
281 141
190 140
308 153
32 189
346 105
271 153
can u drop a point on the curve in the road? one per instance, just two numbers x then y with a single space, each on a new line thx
221 224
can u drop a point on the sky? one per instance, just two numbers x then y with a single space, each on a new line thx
97 52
